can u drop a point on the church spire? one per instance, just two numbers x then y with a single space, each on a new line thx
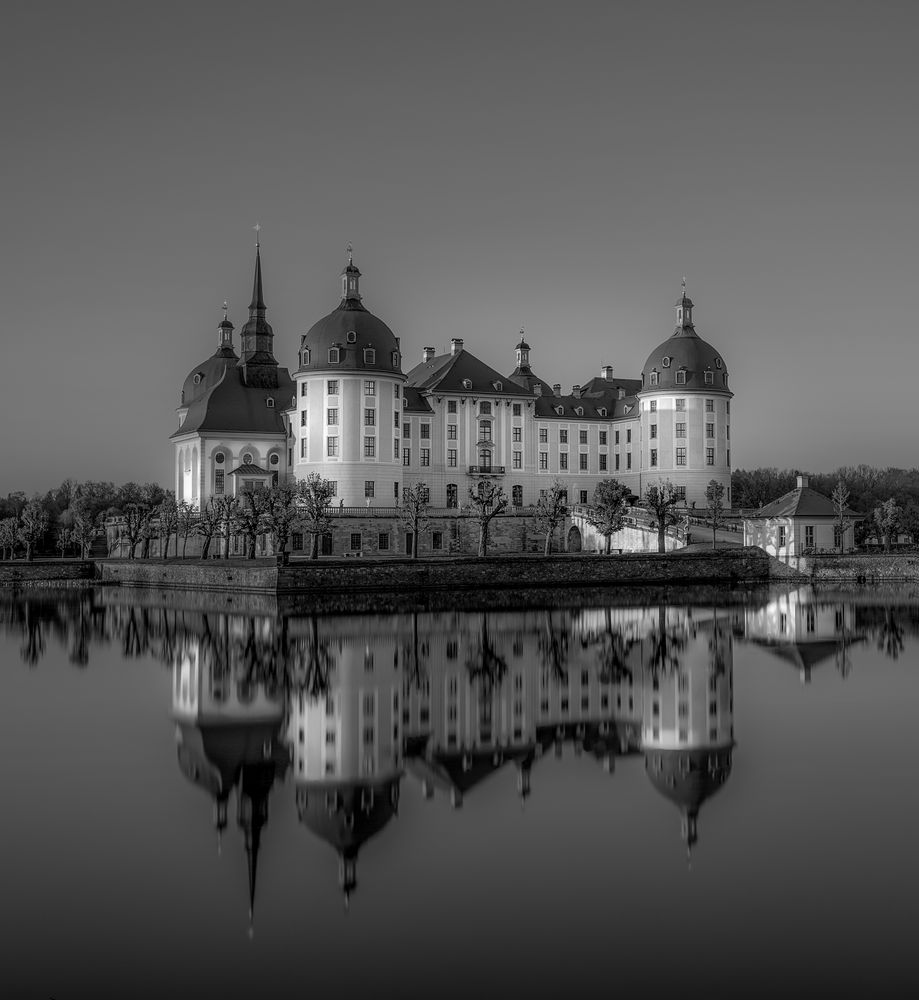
257 305
257 358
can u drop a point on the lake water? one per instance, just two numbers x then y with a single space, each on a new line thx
651 794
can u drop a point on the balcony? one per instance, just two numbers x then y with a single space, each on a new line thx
486 470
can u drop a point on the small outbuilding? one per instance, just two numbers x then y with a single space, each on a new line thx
803 521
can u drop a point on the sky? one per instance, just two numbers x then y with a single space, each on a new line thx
497 166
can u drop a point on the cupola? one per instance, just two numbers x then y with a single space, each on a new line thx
351 280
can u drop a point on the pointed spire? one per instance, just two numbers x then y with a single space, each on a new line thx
257 305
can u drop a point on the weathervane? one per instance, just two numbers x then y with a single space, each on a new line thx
258 230
349 250
684 286
226 310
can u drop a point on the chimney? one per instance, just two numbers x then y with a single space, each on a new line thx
428 353
607 372
803 482
456 345
575 390
537 390
621 394
557 388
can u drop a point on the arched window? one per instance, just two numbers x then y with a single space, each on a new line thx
681 377
653 378
517 496
269 402
305 356
274 459
452 495
395 359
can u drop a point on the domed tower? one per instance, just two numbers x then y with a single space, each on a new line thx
348 420
686 412
687 709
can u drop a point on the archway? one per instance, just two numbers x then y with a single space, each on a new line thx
574 539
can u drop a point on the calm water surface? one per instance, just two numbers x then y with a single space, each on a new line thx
715 798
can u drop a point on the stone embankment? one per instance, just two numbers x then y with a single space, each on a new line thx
47 573
862 568
722 567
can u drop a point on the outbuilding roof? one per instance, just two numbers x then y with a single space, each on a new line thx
801 502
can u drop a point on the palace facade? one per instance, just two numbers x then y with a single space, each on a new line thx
356 412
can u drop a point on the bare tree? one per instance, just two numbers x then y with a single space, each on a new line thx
887 517
413 512
714 498
662 500
84 528
33 523
486 503
227 508
62 540
207 526
8 536
250 517
168 515
186 516
282 512
840 498
608 509
316 494
135 517
551 511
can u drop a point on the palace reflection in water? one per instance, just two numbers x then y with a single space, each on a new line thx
342 710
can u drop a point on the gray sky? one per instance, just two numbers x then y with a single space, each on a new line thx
557 166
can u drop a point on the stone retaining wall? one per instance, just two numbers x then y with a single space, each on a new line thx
863 568
46 572
727 567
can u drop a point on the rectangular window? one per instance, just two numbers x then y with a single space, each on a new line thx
406 456
334 355
395 390
680 430
517 409
370 387
370 417
628 436
602 437
451 457
583 461
809 535
370 447
303 388
332 416
451 406
727 432
729 457
617 463
395 448
582 437
406 430
709 456
563 437
425 431
383 541
437 540
451 432
709 378
355 539
681 456
543 435
331 446
727 407
653 457
368 487
563 460
603 463
652 406
681 404
332 387
782 536
628 460
653 431
518 434
425 456
680 493
303 418
543 460
709 430
709 406
616 438
518 459
396 419
681 378
333 486
583 496
303 447
219 482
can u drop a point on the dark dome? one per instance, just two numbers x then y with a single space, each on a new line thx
688 352
688 777
366 330
347 814
204 377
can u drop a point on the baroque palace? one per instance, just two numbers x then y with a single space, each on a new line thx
351 413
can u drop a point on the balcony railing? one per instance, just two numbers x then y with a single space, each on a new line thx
486 470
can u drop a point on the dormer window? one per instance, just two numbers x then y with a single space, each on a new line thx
621 394
269 402
681 377
709 378
497 386
334 355
352 337
467 383
717 362
579 410
654 378
370 356
197 379
602 411
627 409
395 359
305 356
559 410
724 378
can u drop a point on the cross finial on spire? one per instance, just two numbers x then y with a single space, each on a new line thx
349 250
258 230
